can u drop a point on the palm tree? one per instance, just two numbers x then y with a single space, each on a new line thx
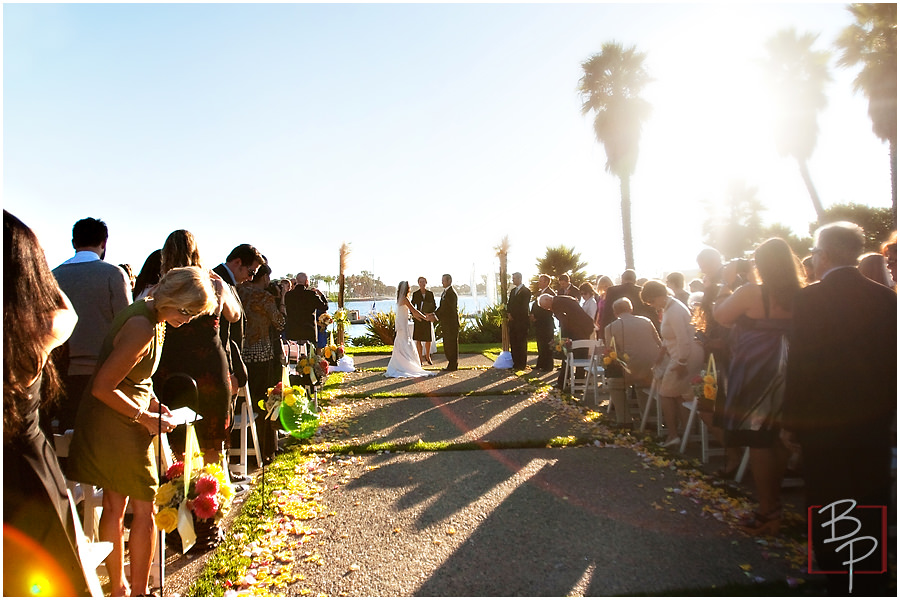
559 260
872 41
798 75
734 225
611 86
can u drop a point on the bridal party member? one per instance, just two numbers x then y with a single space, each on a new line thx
120 414
404 359
423 331
448 314
38 520
517 313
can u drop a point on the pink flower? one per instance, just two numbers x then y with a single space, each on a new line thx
206 485
176 470
205 506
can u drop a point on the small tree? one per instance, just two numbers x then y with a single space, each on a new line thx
559 260
877 223
734 228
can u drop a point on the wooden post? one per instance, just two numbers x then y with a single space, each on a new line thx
345 250
502 252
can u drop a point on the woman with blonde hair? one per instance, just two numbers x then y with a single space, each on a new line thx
760 315
117 419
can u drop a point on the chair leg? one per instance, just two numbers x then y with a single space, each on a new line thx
743 468
651 398
688 428
252 424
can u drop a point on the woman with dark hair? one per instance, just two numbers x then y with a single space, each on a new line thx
680 357
196 350
263 315
149 275
404 357
588 299
760 316
112 446
39 529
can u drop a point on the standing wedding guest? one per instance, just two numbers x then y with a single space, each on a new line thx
680 359
98 290
37 317
588 300
240 266
112 446
129 274
873 266
573 320
841 397
149 275
675 282
603 285
517 312
262 314
627 289
544 326
423 331
809 270
889 251
565 287
195 349
759 315
302 302
636 338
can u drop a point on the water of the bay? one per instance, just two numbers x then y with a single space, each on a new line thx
469 304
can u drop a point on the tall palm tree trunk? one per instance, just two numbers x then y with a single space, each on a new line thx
813 194
625 187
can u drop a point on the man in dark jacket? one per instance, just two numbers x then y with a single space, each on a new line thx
628 289
301 303
544 326
840 406
517 313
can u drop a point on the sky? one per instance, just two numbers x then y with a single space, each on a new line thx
420 134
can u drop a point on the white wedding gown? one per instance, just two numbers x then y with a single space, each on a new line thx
404 357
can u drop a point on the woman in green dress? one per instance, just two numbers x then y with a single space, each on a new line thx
112 445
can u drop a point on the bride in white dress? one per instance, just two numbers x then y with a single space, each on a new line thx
404 357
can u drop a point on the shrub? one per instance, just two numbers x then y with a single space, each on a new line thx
487 326
381 326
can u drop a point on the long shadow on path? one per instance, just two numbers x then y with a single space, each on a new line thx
556 522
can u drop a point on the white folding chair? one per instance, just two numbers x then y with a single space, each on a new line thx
572 363
245 420
653 399
705 450
92 497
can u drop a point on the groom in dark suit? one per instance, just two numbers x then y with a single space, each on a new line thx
840 400
448 314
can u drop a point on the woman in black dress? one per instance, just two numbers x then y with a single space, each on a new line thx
423 331
38 519
196 349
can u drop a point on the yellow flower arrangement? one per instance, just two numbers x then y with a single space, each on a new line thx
165 493
167 519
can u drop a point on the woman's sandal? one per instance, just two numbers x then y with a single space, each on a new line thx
760 524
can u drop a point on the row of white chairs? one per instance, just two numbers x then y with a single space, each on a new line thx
595 379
